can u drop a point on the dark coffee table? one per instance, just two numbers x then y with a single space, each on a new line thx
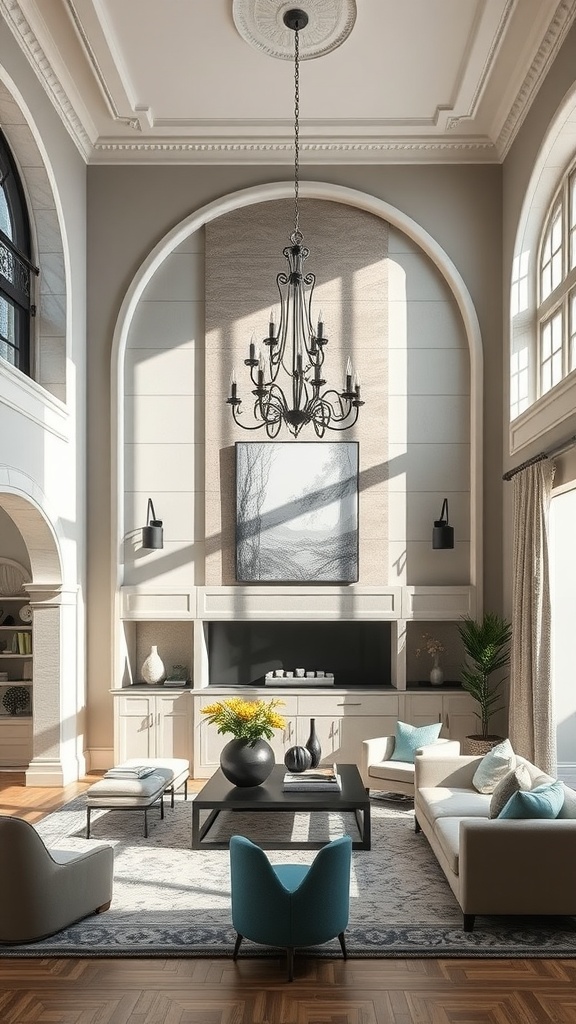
220 795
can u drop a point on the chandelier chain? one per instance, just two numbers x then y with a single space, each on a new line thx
297 232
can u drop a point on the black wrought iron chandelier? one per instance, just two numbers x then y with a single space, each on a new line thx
294 346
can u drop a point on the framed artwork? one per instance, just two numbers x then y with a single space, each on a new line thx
297 512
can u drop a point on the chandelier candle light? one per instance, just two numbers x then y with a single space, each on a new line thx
294 345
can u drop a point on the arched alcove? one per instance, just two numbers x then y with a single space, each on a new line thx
57 743
346 197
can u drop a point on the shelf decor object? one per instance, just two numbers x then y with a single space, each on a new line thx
153 671
298 759
152 533
16 700
313 745
297 512
294 347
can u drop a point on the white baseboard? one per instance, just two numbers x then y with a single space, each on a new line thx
99 759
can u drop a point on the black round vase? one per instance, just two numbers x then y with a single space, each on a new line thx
313 745
245 763
297 759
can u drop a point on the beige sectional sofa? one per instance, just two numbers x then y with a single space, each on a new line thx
494 866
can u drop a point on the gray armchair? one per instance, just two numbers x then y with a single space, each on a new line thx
46 890
379 772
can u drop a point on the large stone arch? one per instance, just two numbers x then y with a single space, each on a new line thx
313 190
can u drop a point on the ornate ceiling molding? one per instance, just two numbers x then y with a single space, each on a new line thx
212 152
557 31
261 24
30 46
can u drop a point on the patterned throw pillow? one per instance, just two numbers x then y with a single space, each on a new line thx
543 802
409 738
493 767
517 779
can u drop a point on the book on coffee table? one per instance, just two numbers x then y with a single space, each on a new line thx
312 780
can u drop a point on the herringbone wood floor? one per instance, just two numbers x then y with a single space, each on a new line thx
219 991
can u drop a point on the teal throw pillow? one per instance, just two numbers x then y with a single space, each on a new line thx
409 738
542 802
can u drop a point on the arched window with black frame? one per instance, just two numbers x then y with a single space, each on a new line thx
16 267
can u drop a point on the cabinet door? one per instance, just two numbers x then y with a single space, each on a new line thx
341 737
15 743
424 709
135 727
283 739
173 725
459 717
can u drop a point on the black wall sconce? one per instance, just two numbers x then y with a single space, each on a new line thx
152 533
443 533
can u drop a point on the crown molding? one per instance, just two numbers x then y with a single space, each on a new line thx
213 152
547 51
33 51
227 144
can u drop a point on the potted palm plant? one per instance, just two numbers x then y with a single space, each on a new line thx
487 646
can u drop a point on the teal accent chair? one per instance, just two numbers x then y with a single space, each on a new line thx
290 905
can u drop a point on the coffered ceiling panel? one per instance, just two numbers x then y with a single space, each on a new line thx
418 80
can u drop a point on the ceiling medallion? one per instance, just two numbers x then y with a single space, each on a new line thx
262 25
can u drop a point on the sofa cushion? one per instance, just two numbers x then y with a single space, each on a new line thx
519 778
497 763
441 802
447 832
568 809
542 802
397 771
409 738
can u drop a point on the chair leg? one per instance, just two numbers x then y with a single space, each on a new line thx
417 825
342 942
290 962
469 922
237 945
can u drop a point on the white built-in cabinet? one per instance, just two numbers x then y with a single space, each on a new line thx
152 724
16 660
160 722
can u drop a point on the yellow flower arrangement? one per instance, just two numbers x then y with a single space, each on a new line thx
245 719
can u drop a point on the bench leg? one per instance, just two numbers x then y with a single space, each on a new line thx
87 823
186 790
145 823
162 807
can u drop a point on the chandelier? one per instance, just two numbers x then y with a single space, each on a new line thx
293 350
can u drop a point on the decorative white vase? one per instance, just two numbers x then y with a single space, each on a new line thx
153 671
436 673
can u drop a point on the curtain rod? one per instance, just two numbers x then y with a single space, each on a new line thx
568 443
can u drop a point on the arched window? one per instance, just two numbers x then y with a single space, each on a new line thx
556 313
16 267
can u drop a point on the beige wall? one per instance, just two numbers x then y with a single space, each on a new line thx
131 208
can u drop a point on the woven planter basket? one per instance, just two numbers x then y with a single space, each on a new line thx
476 745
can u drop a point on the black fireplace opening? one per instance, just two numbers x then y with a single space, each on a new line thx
357 653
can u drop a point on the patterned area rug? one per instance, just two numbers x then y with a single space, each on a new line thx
172 901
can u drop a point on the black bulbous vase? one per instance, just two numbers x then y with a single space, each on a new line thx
297 759
245 763
313 745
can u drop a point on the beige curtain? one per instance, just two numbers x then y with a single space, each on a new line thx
532 726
